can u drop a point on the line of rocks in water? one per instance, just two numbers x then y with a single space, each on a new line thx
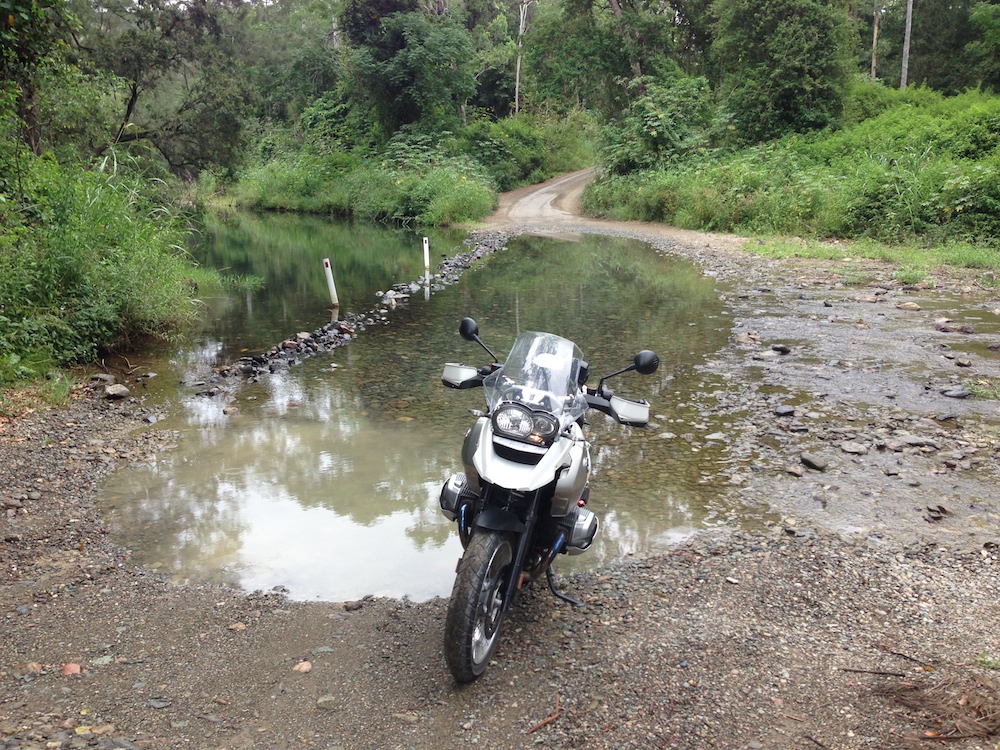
338 332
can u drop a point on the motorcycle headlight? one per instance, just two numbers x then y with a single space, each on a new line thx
516 422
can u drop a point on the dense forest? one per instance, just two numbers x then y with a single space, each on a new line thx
816 118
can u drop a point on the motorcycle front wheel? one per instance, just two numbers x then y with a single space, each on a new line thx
475 612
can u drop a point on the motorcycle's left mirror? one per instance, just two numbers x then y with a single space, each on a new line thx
646 362
468 329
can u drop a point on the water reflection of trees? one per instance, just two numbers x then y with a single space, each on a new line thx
377 436
287 252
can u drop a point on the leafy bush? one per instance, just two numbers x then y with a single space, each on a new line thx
87 262
666 121
528 149
925 167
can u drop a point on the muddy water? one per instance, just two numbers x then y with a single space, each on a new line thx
326 481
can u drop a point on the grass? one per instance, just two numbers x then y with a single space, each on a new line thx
55 388
918 172
914 261
984 388
986 662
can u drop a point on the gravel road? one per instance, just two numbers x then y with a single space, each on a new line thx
865 613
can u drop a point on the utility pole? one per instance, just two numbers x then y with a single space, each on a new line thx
906 44
522 27
876 22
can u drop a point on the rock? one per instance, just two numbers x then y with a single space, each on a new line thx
116 391
908 306
946 326
780 348
326 702
795 471
784 410
917 442
956 392
856 448
717 436
103 377
814 462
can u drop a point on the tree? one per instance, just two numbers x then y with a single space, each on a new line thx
186 91
948 50
522 26
984 51
29 32
907 33
410 67
783 66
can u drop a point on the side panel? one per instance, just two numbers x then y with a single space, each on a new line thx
473 438
573 479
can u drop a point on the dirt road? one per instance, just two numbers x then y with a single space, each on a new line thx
866 617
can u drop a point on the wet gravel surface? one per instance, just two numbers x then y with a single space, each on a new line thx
876 577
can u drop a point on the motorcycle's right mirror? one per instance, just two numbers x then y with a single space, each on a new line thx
468 329
645 362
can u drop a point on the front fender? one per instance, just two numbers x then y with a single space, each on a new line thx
498 519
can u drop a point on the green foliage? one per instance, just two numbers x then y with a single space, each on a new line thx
415 181
511 150
949 51
865 99
664 122
87 263
409 67
428 177
926 167
783 65
181 65
574 59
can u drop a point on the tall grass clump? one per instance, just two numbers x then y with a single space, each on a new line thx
435 178
923 167
88 262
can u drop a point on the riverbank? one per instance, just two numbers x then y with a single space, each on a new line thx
808 631
771 639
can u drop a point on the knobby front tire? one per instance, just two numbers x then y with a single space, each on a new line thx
475 612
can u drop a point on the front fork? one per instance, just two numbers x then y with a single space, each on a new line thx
459 504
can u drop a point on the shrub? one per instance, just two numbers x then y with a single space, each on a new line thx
926 167
87 263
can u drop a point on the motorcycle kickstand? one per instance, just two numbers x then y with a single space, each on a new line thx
552 588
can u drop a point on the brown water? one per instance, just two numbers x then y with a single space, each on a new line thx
326 482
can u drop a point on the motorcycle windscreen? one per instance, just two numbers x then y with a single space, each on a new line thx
542 371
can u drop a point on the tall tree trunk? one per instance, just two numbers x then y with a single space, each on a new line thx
521 28
28 106
876 21
906 44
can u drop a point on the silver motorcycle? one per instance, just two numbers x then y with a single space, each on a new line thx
522 499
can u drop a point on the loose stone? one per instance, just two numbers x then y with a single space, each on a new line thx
814 462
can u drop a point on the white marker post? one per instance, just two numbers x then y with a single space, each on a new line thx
329 282
427 269
427 261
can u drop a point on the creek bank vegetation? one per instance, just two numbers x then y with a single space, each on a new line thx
119 118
